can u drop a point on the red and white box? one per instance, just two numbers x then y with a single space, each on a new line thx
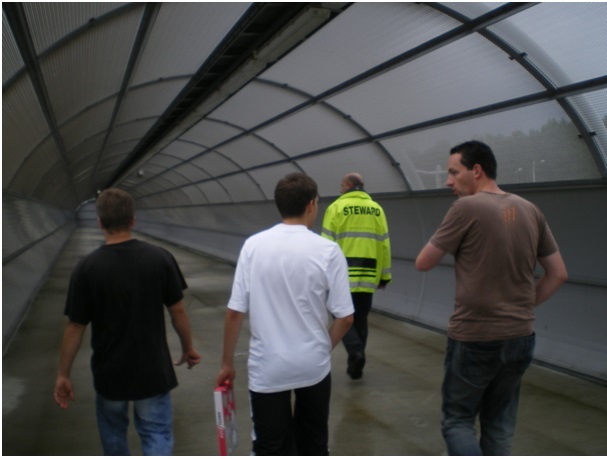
225 419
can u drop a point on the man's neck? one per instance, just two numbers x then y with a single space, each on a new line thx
118 237
295 221
490 186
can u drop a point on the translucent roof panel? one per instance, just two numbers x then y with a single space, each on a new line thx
80 62
251 151
568 43
210 133
12 60
363 36
256 103
50 22
532 144
593 110
328 170
220 97
308 130
461 76
202 26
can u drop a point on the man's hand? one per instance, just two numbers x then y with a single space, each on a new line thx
192 358
226 374
64 392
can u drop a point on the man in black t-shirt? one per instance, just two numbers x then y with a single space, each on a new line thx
122 288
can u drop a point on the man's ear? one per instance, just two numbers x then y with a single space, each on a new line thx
478 171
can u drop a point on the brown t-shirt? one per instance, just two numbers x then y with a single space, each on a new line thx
496 240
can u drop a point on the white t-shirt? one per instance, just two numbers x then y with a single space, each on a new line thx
290 280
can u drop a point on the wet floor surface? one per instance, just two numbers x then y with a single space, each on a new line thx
393 410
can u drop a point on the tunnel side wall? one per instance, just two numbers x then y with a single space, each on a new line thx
570 326
33 235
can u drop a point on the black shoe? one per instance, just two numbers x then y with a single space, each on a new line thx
356 365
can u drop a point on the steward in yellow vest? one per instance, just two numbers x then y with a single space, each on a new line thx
359 226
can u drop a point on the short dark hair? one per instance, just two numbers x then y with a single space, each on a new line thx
475 152
115 209
293 193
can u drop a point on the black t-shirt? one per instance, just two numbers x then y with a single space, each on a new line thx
121 289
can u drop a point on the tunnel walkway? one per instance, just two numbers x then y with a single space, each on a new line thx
393 410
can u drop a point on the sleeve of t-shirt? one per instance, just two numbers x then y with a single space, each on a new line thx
77 304
176 282
239 299
547 244
451 231
339 300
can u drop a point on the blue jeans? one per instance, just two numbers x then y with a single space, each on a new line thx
153 422
483 379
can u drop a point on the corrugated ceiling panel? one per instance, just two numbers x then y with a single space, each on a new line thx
268 177
163 162
210 133
215 164
192 173
12 61
141 189
183 37
74 69
328 170
214 192
309 130
467 74
532 144
171 179
34 168
195 195
57 189
168 199
251 151
256 103
51 21
567 41
182 150
593 109
131 130
363 36
148 101
85 149
87 124
473 9
23 126
242 188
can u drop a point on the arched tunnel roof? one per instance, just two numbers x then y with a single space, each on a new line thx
203 103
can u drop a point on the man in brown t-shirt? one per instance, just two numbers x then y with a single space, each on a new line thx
496 239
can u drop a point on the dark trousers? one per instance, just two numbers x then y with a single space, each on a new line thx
355 340
281 428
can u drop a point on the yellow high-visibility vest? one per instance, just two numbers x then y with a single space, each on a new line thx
358 225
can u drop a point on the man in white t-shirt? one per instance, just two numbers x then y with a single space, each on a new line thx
294 285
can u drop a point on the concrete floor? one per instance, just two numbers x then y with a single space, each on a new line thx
393 410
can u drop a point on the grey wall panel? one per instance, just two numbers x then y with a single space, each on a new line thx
27 259
570 326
